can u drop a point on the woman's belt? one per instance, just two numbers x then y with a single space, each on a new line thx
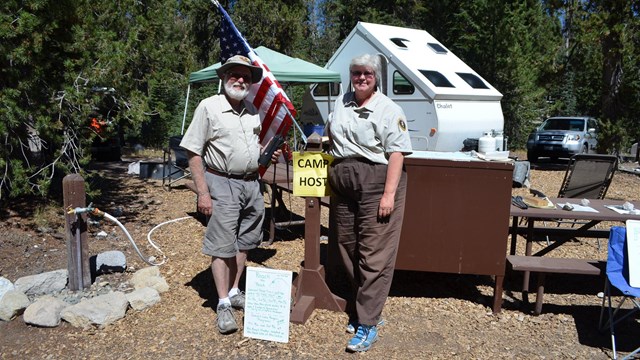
246 177
359 159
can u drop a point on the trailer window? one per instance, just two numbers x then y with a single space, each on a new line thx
402 85
437 48
322 89
473 81
436 78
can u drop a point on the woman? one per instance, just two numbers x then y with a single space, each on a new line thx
369 140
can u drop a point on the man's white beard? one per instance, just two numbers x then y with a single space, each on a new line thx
234 93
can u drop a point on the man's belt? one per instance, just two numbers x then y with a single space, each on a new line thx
246 177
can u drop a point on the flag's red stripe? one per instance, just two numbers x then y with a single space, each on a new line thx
270 115
262 92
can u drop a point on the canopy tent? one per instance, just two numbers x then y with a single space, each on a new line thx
286 69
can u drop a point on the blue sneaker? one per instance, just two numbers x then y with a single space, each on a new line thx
363 339
352 325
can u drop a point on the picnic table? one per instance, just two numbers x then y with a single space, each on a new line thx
543 225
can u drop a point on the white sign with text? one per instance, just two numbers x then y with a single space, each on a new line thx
633 252
268 304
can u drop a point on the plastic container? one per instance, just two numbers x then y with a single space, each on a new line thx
486 143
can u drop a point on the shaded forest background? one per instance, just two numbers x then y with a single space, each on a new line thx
126 63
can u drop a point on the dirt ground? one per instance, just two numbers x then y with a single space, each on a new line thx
428 315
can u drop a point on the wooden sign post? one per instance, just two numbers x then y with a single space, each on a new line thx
312 290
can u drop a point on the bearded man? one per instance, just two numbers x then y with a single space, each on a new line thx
223 146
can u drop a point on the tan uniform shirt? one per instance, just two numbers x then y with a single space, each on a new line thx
228 141
371 131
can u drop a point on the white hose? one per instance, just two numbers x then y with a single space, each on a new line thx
151 259
162 224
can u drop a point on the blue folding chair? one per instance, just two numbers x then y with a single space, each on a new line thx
617 276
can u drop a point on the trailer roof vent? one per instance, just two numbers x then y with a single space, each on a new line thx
473 81
400 42
436 78
437 48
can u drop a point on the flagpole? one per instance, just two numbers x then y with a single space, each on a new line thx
304 138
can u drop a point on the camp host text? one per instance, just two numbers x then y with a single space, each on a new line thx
313 164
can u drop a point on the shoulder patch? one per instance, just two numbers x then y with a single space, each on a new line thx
401 124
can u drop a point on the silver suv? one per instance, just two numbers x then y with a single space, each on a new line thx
563 136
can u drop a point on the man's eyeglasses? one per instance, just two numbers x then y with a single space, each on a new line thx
367 74
236 75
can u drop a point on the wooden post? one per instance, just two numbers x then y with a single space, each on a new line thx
312 290
76 233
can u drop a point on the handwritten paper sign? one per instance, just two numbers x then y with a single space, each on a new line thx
268 304
311 174
633 252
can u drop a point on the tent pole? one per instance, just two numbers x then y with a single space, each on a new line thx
328 104
186 105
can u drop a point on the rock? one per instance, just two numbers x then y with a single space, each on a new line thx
44 229
44 312
101 310
141 299
45 283
117 211
149 277
148 271
12 304
5 285
110 261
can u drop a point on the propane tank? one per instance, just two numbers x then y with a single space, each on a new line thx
499 136
486 143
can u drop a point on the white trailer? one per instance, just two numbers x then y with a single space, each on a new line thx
445 101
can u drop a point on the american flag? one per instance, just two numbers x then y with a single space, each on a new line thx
275 108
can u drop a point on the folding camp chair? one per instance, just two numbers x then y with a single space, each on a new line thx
617 272
588 176
176 163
